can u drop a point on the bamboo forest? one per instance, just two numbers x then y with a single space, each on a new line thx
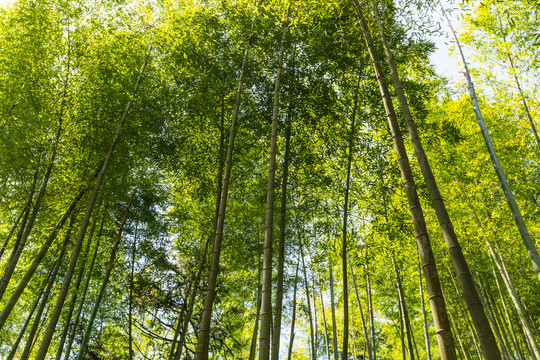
255 179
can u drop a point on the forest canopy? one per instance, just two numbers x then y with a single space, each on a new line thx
291 179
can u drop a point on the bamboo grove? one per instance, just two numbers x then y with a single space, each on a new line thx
268 180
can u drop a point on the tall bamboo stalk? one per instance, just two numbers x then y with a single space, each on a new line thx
110 265
501 267
35 325
47 336
203 339
516 214
83 295
438 307
371 316
266 306
306 284
219 188
325 324
345 348
75 294
422 305
402 306
14 298
364 327
478 315
253 347
333 307
293 319
281 251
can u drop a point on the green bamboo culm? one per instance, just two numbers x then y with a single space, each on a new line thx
516 214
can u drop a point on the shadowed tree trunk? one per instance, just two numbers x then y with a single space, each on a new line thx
185 322
203 340
424 317
333 308
47 336
281 256
516 214
293 319
364 327
478 315
110 266
345 351
253 348
35 325
500 264
10 304
83 296
266 300
438 307
310 315
75 294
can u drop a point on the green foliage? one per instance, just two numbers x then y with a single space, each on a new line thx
74 65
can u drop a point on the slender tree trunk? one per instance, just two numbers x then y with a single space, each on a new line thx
203 340
315 322
23 331
471 329
75 293
47 336
39 313
174 345
130 305
403 307
492 318
266 313
516 214
293 320
325 325
354 347
110 266
532 321
424 317
438 307
83 296
500 264
253 348
28 223
364 327
464 353
281 255
478 315
345 351
370 310
333 307
26 213
21 241
10 304
219 179
495 307
306 284
12 231
401 331
506 314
